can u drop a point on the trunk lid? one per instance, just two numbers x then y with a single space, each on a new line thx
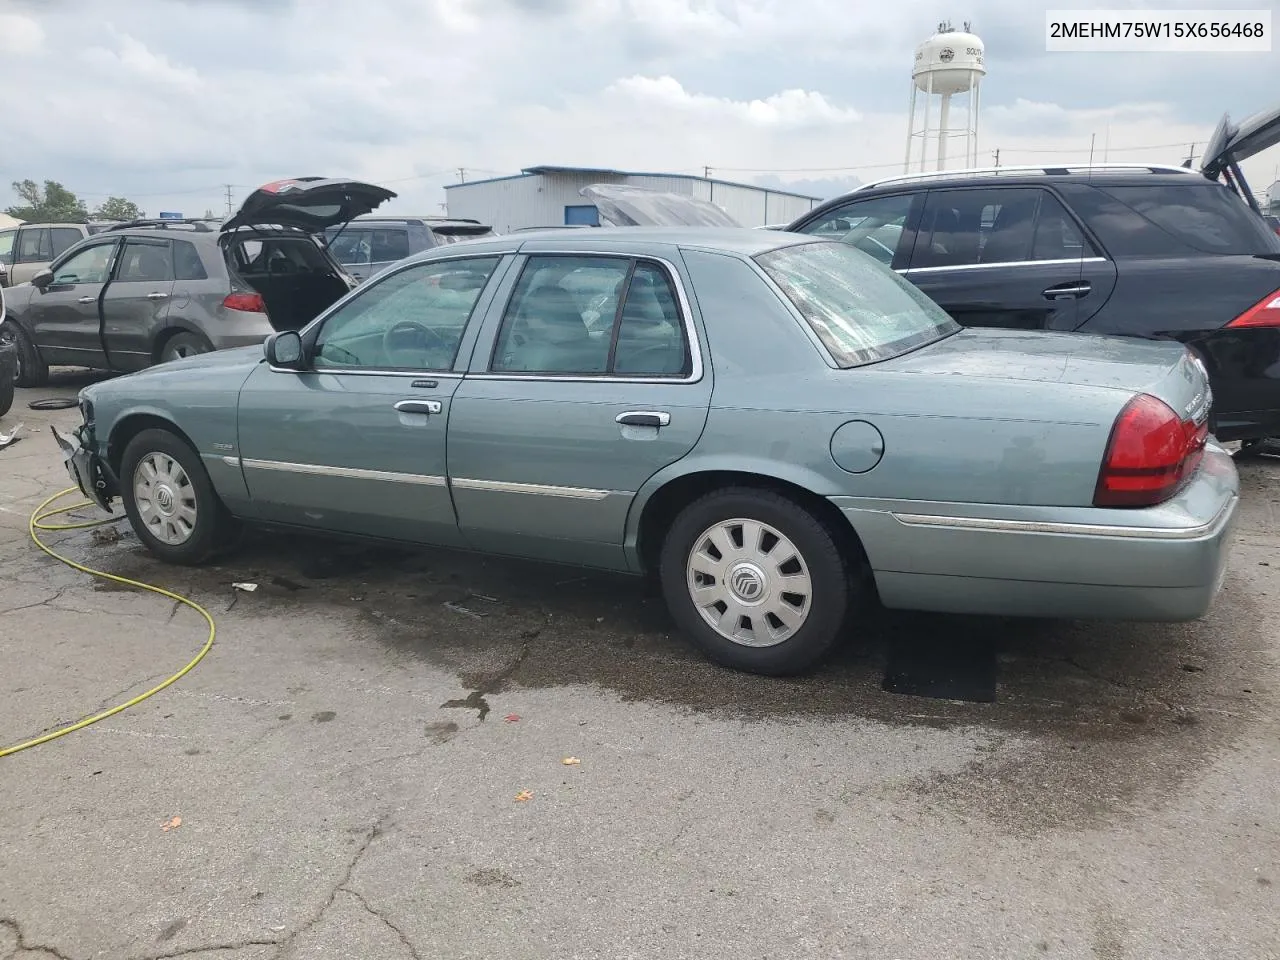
308 203
1163 368
1231 143
622 205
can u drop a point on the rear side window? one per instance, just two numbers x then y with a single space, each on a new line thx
34 246
63 238
964 228
186 262
143 261
1168 220
6 245
387 245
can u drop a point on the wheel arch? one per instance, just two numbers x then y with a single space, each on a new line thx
130 425
175 328
657 506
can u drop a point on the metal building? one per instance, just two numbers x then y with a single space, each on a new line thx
549 197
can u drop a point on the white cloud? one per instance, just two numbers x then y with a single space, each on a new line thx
246 92
20 35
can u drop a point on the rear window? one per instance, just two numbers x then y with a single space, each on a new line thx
261 256
861 310
455 232
1171 220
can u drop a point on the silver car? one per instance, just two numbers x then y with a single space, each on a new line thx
150 291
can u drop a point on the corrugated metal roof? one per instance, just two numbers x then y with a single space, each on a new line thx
550 169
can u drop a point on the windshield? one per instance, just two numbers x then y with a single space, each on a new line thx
861 310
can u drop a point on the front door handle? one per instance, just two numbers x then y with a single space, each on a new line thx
157 296
87 300
1068 291
643 418
419 406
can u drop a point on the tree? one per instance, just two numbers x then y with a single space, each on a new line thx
54 204
118 208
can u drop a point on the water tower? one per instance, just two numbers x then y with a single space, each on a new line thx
948 64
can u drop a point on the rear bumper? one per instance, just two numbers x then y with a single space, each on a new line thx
1244 371
1164 563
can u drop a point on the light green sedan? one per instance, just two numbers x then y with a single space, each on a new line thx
779 428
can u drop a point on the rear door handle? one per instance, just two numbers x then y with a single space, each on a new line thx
87 300
157 296
1068 290
643 418
419 406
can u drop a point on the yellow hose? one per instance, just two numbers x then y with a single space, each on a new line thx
36 523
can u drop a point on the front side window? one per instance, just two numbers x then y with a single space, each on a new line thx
89 265
411 320
34 246
874 225
593 316
145 261
861 311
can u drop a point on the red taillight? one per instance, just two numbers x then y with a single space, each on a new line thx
1151 452
248 302
1264 313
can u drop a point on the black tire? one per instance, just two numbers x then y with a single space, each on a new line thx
834 593
8 379
32 370
184 345
213 529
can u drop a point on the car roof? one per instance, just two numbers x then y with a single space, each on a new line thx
657 241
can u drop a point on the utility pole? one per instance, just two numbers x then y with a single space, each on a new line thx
997 156
1092 137
228 199
706 173
1191 156
462 174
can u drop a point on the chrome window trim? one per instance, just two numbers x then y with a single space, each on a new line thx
686 315
346 473
907 271
535 489
369 372
991 525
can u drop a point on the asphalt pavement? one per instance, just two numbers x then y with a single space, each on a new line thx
401 754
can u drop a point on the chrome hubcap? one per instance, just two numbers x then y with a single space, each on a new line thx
749 582
165 498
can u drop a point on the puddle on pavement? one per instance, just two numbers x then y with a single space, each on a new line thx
1116 715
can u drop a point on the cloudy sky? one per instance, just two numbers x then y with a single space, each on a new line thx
166 101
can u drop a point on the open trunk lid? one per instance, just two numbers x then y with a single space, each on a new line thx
308 203
1232 143
622 205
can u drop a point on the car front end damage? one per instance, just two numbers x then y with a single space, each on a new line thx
84 460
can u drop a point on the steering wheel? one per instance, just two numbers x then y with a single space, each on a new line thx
426 339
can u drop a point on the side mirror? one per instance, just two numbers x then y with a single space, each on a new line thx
42 279
284 350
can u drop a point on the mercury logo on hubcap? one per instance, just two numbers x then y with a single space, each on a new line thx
164 499
747 582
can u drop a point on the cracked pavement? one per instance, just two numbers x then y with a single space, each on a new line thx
346 764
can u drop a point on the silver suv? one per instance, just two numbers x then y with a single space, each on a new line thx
151 291
368 245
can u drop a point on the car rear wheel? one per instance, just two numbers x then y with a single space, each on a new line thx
757 581
170 500
32 370
183 345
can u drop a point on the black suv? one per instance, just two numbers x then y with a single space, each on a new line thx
1146 251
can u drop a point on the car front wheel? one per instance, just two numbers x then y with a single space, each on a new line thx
170 500
757 581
